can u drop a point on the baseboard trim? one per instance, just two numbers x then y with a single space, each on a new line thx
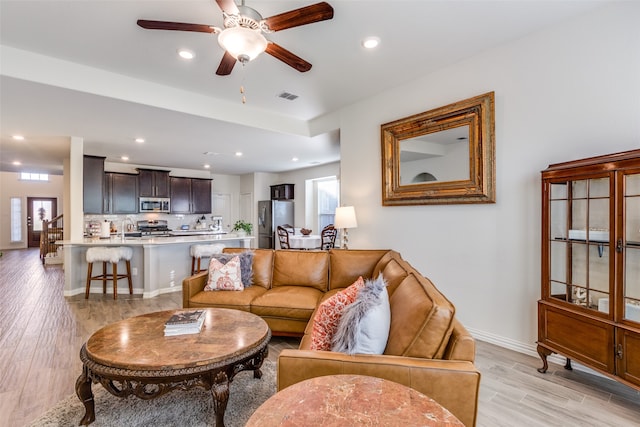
528 349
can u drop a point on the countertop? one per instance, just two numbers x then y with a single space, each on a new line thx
152 240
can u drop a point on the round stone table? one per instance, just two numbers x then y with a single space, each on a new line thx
133 357
351 400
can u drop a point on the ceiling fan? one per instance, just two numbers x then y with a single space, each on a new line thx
242 36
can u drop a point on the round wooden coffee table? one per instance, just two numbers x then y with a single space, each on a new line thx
351 400
133 357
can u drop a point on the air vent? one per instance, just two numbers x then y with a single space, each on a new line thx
287 95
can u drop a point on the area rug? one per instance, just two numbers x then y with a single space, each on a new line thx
192 408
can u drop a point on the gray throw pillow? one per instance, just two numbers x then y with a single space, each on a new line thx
246 265
364 325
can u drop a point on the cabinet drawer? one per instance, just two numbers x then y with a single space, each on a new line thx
578 337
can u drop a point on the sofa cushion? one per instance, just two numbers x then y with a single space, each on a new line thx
224 276
262 265
293 302
364 325
301 268
237 300
328 314
394 272
348 265
421 319
246 264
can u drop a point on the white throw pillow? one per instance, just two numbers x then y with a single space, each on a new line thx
364 325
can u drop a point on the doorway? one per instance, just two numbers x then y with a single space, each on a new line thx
38 210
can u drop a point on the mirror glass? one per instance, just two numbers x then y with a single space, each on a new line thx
437 156
442 156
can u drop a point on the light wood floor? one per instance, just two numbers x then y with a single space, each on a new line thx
41 333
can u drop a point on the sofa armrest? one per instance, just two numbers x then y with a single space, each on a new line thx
461 344
452 383
192 285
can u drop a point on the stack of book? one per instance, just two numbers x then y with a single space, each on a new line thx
184 322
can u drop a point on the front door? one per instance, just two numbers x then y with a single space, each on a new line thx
39 209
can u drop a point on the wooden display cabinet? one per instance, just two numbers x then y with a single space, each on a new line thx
589 310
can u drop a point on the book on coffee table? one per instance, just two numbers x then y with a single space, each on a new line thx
185 317
187 322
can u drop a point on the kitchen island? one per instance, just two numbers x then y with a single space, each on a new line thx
158 265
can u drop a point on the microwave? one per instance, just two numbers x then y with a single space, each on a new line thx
155 204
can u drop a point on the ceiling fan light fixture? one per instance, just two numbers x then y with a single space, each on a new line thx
242 43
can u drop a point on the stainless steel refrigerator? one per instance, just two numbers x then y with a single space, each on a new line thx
272 213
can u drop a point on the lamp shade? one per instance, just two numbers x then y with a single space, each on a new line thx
240 41
345 217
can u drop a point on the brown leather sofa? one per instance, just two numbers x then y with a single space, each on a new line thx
428 349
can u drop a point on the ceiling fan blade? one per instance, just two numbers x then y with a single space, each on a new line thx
175 26
287 57
226 65
305 15
228 6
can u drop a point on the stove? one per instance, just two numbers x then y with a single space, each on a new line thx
154 227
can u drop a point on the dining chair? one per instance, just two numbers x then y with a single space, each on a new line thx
290 228
328 237
283 237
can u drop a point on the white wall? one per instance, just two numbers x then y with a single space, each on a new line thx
568 92
12 186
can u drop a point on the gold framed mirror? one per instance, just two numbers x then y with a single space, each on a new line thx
442 156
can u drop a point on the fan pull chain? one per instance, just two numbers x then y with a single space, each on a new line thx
243 97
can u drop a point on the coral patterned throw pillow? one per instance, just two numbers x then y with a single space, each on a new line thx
224 277
328 315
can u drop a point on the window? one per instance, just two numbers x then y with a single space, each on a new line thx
327 201
28 176
16 219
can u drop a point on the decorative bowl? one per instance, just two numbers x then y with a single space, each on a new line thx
305 231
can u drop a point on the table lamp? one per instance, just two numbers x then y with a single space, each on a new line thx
345 218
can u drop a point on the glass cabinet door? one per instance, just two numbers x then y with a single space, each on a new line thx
631 286
579 248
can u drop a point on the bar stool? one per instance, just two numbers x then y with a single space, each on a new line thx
202 251
112 255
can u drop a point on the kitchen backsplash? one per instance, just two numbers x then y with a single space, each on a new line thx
175 222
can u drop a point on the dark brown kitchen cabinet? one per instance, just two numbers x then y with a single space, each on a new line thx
153 183
282 192
200 196
190 195
120 193
92 184
589 309
180 195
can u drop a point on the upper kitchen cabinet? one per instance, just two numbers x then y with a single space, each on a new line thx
282 192
92 188
120 193
200 196
153 183
190 195
180 195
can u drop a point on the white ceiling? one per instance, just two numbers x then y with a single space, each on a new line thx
84 68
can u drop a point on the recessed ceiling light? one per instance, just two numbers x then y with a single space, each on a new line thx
139 140
238 154
186 54
295 159
370 42
207 166
16 163
124 158
18 137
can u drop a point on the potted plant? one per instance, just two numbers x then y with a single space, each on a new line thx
242 227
